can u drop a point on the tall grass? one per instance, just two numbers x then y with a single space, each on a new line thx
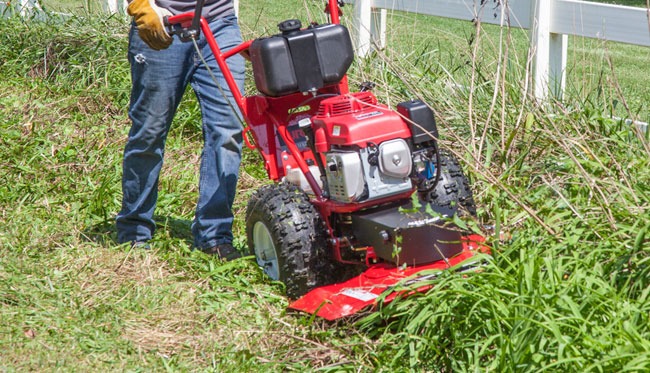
564 187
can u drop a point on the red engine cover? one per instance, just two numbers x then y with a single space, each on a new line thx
356 119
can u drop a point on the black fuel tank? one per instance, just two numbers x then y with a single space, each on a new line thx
301 60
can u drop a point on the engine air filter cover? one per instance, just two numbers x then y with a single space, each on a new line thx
421 120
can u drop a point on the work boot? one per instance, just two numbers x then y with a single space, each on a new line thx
224 251
140 245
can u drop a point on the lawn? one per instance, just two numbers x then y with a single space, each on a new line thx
563 191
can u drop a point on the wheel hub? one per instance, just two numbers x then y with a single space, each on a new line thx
265 251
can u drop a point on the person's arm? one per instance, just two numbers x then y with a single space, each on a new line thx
148 18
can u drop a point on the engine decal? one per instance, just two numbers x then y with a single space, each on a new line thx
336 131
368 115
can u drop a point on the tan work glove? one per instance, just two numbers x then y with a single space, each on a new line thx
149 19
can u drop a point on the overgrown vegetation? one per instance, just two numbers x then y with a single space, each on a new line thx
565 187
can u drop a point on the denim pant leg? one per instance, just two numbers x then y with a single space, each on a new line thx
159 79
222 136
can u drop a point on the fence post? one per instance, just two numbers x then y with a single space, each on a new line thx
378 27
369 26
549 52
116 6
26 7
112 6
362 25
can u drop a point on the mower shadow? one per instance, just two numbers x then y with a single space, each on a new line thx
105 233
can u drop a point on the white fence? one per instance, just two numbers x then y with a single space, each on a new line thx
116 6
549 22
24 7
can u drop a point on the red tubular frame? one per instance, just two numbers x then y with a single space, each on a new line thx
304 167
334 11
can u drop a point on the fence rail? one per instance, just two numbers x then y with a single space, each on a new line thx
549 22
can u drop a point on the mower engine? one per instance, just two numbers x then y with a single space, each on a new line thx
372 152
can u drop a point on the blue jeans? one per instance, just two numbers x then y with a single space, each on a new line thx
159 79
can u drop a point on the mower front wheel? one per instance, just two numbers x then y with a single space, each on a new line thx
452 189
287 236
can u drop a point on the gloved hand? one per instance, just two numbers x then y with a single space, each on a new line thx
149 19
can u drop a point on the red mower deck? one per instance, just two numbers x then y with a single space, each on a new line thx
378 284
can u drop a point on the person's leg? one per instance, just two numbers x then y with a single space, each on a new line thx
159 79
222 134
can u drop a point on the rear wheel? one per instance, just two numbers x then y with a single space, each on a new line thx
452 190
287 236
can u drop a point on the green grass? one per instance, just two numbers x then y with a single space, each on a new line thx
566 187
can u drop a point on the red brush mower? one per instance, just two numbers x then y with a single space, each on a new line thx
361 190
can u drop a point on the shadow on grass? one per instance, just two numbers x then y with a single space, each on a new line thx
105 232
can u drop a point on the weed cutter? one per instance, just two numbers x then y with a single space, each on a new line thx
360 191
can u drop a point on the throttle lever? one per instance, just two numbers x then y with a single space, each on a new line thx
187 33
